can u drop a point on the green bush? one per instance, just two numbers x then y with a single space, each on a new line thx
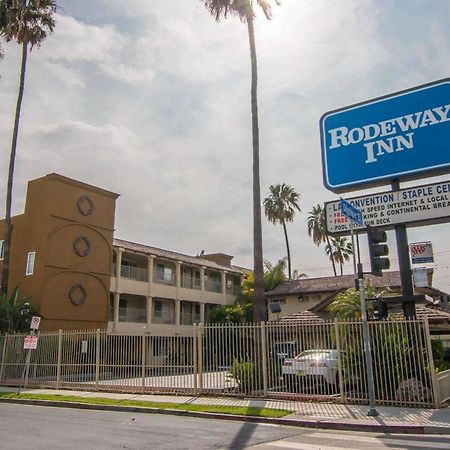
247 373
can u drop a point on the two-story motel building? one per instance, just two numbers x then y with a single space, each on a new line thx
64 257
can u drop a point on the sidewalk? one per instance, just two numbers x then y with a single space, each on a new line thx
317 415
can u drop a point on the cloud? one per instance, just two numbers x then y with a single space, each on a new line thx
152 100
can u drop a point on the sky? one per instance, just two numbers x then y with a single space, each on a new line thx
151 100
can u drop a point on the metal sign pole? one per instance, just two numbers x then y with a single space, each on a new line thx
367 349
353 215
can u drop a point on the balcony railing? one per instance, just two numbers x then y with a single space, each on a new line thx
165 316
213 286
133 315
188 318
133 273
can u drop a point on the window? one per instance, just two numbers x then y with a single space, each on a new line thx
281 301
30 263
123 308
1 249
164 273
158 308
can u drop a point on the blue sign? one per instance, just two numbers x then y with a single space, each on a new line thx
405 135
352 213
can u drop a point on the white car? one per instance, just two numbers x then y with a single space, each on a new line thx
321 365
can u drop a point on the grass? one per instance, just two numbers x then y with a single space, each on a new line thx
222 409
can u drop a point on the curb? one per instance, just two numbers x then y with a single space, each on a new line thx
304 423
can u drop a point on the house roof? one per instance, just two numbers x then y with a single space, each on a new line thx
332 284
167 254
436 316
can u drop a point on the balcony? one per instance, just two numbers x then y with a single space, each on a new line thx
132 273
133 315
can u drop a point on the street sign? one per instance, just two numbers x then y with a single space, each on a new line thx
35 322
30 342
352 213
415 206
405 135
421 252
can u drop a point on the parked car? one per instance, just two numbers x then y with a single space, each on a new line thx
318 365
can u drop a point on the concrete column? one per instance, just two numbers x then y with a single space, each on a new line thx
149 311
178 278
150 263
202 283
177 312
202 313
224 285
119 252
116 310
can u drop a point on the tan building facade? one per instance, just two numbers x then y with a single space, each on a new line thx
64 257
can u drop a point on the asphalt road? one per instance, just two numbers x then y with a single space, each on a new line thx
40 427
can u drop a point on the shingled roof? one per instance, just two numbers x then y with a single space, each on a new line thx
437 317
332 284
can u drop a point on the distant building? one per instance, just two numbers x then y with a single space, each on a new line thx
307 300
64 257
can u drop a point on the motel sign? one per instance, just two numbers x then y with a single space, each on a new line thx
404 136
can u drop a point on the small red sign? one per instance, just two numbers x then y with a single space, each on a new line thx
30 343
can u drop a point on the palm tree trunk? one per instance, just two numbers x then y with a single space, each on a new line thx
332 260
12 160
288 250
259 307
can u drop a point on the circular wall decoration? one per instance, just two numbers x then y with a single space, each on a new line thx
77 294
82 246
85 205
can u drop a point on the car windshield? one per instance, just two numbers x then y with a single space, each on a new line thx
314 354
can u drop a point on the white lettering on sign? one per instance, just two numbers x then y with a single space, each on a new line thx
413 205
370 134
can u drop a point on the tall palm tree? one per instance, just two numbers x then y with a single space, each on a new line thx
317 229
340 251
244 9
28 22
280 206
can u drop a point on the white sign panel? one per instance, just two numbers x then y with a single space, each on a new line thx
30 342
35 321
414 206
421 252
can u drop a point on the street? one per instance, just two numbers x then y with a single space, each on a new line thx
40 427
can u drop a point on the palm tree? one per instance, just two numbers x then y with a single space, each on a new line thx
340 251
280 206
318 230
245 10
27 22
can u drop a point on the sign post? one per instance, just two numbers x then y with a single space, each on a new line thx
29 343
355 216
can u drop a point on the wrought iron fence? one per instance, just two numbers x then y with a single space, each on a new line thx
321 362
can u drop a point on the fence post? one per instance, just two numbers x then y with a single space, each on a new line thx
143 363
97 358
59 358
434 383
338 349
200 357
195 357
3 357
264 356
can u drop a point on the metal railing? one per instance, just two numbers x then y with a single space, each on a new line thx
319 362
